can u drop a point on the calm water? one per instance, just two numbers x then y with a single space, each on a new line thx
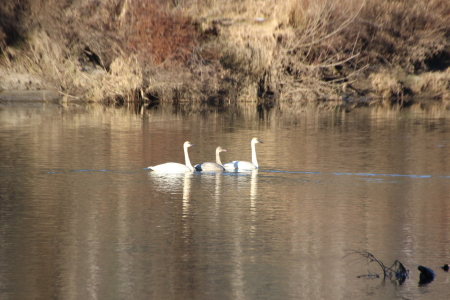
81 217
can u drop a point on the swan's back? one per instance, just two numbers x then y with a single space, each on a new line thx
176 167
170 168
209 166
241 165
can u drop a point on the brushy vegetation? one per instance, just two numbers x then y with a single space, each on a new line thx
229 51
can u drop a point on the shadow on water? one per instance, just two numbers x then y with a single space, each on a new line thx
266 110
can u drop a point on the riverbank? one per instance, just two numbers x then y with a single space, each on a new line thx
354 53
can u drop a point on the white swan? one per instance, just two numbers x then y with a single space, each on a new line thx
244 165
210 166
176 167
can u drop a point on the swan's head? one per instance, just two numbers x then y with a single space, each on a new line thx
220 149
188 144
255 140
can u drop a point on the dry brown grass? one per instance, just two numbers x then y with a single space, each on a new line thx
286 50
386 84
435 83
228 51
406 33
57 35
309 49
49 60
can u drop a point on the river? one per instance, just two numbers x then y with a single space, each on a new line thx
81 216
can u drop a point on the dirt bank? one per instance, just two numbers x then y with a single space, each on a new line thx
262 51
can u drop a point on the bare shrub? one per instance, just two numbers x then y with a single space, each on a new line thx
317 46
405 33
158 34
2 40
313 47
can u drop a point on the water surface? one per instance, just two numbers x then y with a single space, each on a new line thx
82 218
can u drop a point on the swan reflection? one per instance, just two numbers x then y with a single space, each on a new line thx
172 182
240 230
253 195
187 182
213 182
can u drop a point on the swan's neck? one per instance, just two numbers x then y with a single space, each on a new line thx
254 161
218 158
186 158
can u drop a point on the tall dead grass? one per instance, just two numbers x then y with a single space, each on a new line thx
74 47
228 51
285 48
50 60
303 49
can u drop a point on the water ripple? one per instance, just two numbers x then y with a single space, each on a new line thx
354 174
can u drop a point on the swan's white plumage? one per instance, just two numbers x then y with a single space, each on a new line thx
176 167
210 166
245 165
171 168
239 165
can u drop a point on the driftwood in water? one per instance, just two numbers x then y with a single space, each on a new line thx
395 272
